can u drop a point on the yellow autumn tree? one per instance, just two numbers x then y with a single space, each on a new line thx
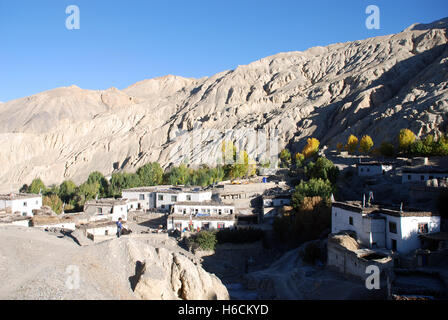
311 148
366 144
299 159
352 143
405 138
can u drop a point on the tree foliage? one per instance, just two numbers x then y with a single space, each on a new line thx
405 138
311 148
323 169
366 144
151 174
54 202
285 158
352 143
37 186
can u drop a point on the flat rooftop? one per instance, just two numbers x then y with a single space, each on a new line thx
223 217
356 206
18 196
166 189
203 203
424 169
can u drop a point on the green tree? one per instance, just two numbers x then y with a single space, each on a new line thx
323 169
98 177
67 190
87 191
285 158
37 186
120 181
206 240
312 188
54 202
151 174
178 175
387 149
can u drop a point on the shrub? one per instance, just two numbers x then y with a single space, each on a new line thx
54 202
206 240
311 253
285 158
387 149
239 235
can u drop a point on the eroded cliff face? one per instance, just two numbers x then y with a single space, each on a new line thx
375 86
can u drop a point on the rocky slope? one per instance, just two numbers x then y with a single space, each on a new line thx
375 86
40 265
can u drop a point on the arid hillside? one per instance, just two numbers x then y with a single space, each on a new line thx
375 86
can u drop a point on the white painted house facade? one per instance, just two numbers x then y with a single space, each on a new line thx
373 168
162 198
377 227
421 174
201 216
110 208
22 203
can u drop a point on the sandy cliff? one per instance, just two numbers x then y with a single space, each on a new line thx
375 86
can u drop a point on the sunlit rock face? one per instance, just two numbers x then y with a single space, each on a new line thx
375 86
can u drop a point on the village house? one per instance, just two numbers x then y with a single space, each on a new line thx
203 215
421 174
272 204
110 208
373 168
377 227
20 203
162 198
99 230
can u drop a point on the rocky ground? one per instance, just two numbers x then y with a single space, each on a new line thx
43 265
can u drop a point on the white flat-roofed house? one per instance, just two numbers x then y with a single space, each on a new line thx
110 208
22 203
201 216
378 227
373 168
162 198
421 174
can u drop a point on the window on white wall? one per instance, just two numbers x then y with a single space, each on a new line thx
350 220
423 228
392 227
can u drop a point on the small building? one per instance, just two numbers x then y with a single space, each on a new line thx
347 257
373 168
201 216
421 174
21 203
99 230
110 208
162 198
379 227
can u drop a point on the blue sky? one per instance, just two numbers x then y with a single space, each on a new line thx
122 42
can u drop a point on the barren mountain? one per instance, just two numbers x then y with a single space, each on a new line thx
375 86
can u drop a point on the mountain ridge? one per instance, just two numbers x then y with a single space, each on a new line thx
374 86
